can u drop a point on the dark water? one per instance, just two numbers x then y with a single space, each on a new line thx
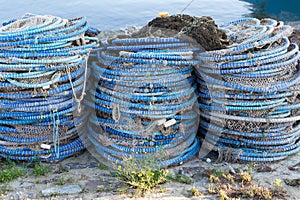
116 14
286 10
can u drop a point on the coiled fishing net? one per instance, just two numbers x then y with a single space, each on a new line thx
43 71
144 102
248 92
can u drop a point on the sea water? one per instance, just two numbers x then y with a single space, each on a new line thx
116 14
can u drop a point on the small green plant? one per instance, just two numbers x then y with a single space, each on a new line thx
63 180
277 183
292 182
250 167
41 169
180 178
61 168
194 192
107 188
10 173
141 174
4 189
162 189
123 189
214 172
102 166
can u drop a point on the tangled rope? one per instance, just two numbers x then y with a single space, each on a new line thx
249 92
145 101
43 72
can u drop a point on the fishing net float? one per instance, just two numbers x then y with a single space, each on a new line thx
42 83
144 101
248 92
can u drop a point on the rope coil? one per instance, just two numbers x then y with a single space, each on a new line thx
43 71
144 101
245 92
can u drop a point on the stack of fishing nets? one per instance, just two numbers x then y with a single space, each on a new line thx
43 65
249 92
145 102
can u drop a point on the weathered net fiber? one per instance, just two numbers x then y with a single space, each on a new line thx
145 100
43 70
248 92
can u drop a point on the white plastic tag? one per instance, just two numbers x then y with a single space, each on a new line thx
170 123
46 87
46 146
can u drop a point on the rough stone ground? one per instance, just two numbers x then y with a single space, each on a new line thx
94 183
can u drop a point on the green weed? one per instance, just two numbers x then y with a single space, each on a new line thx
10 173
141 174
180 178
4 189
41 169
102 166
107 188
63 180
